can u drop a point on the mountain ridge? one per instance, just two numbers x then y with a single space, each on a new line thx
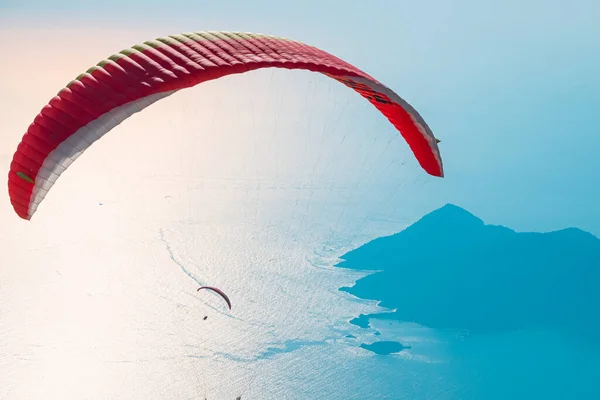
450 270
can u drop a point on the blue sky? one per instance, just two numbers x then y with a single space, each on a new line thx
510 87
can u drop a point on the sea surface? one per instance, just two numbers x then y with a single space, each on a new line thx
255 195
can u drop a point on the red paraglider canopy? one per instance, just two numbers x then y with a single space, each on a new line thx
219 291
127 82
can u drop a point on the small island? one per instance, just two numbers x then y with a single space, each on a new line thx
384 347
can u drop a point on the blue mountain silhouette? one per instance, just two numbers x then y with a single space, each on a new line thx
449 270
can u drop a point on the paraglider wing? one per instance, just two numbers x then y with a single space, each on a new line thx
218 291
127 82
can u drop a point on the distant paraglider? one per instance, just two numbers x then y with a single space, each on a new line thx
219 292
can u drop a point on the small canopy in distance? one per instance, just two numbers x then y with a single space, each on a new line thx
219 292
